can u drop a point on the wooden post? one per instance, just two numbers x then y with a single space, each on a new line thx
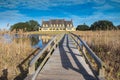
32 69
48 47
78 44
84 51
101 73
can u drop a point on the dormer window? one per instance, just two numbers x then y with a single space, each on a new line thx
46 25
67 25
43 25
63 25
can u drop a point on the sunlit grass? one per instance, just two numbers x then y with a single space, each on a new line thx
11 54
106 44
47 32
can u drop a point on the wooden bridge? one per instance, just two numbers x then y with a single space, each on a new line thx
66 59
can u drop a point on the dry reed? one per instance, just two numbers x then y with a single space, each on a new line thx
11 54
106 44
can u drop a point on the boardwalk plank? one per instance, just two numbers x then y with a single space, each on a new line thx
66 63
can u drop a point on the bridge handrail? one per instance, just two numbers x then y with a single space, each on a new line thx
32 72
92 54
36 57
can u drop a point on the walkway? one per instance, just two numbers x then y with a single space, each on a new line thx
66 63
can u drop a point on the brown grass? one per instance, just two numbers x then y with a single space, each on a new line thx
47 32
11 54
106 44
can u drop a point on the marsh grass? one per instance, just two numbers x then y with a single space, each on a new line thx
106 44
11 54
47 32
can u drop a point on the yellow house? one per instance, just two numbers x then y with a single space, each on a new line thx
57 24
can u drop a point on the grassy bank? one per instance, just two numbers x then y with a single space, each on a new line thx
11 55
47 32
106 44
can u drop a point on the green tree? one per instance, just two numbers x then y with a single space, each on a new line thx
20 25
102 25
34 25
118 27
83 27
26 26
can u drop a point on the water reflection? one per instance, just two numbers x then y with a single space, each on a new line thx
6 38
37 41
34 39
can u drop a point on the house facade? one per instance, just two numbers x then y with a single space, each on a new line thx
57 25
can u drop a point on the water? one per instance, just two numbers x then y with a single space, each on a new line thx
6 38
37 41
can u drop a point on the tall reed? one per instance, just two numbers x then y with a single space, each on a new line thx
106 44
12 53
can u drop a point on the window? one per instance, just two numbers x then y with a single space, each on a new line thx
67 25
70 25
46 25
63 25
43 25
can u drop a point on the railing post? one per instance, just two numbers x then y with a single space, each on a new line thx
84 50
101 73
49 47
31 69
78 43
76 40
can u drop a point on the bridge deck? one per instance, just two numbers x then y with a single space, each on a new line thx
66 63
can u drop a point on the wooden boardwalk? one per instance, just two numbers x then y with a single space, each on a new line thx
66 63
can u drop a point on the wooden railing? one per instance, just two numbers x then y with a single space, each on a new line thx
84 48
49 49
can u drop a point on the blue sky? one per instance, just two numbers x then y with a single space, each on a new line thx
80 11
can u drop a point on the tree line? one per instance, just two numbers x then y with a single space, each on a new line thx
33 25
99 25
30 25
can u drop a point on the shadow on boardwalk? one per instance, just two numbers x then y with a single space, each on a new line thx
66 62
4 75
24 71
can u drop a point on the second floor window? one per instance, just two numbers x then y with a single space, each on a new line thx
46 25
67 25
43 25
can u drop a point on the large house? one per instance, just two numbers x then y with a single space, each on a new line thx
57 24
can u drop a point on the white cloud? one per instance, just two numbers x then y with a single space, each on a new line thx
99 1
11 16
118 1
104 7
9 3
14 16
47 4
95 17
41 4
88 19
